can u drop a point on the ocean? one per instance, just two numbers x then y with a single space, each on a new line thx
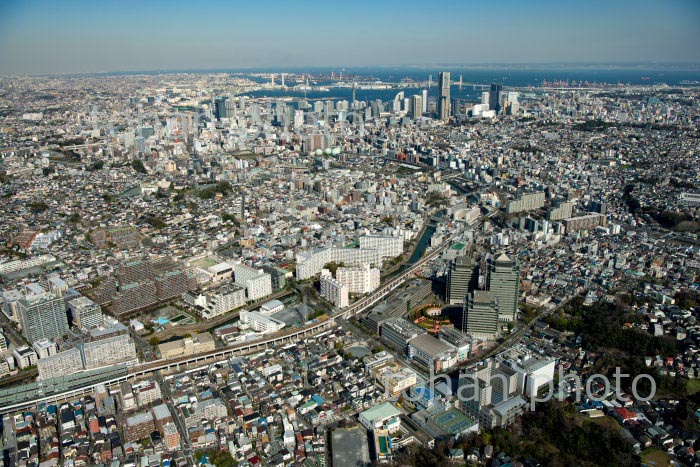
515 77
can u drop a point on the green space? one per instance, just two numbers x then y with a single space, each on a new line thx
555 434
655 457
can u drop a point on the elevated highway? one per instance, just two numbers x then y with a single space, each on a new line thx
312 328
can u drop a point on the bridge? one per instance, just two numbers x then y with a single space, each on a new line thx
222 354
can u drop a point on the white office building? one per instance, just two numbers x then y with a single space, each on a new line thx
45 348
259 322
25 356
257 283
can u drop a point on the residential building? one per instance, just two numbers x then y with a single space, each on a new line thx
109 351
388 245
257 283
526 202
310 263
334 291
217 301
359 279
63 363
147 392
562 210
45 348
587 222
42 316
139 426
85 313
171 437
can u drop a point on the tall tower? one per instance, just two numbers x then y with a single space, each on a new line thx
352 105
480 315
494 97
444 95
504 282
221 107
416 106
462 278
43 316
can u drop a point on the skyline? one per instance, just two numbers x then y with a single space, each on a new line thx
78 37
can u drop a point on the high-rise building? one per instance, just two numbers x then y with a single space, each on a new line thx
480 315
221 107
43 316
416 106
512 103
359 279
526 202
424 94
171 437
462 278
61 364
116 349
494 97
444 95
86 314
256 282
504 283
388 245
334 291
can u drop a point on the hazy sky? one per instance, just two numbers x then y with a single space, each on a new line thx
72 36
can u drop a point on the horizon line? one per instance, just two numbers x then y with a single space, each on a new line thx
624 65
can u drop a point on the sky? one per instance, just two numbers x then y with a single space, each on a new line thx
85 36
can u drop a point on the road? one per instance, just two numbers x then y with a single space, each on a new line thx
168 398
9 330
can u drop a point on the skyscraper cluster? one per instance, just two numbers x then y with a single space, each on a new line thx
484 309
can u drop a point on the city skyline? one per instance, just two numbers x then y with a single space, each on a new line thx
78 37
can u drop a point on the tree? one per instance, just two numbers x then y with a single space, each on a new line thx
333 266
138 166
38 207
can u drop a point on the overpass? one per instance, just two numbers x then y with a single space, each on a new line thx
221 354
